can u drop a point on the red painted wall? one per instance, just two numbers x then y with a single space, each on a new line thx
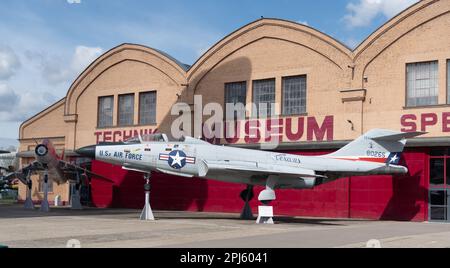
393 197
370 197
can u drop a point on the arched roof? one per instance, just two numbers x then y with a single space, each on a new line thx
392 31
303 35
166 64
279 29
321 43
395 22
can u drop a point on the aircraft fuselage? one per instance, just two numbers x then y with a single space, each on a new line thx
187 160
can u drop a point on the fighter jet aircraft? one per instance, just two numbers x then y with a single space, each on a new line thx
376 152
54 165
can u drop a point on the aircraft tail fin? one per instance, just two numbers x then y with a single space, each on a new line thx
377 145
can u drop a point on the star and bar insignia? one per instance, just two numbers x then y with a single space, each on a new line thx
177 159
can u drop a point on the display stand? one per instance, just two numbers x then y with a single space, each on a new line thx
147 214
265 215
29 201
45 207
247 196
75 198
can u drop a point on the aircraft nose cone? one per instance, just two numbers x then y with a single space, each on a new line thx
88 151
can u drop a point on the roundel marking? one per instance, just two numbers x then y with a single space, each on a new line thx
177 159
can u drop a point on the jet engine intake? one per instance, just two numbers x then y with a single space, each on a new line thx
42 154
41 150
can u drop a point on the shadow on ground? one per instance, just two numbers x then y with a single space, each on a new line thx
17 211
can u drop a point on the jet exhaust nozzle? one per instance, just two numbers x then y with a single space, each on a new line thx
88 151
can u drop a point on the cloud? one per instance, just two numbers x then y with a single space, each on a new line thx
303 22
9 63
363 12
20 101
84 56
17 107
55 70
74 1
8 98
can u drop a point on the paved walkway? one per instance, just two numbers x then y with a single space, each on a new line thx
121 228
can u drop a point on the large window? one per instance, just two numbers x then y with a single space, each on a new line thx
294 95
105 111
126 110
147 108
422 83
264 98
235 94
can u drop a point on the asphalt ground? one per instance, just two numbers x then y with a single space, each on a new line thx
121 228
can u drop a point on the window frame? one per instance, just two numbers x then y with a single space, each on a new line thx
257 115
225 98
445 157
118 109
283 95
444 171
156 108
407 83
445 187
98 111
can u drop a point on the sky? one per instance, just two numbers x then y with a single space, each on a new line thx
46 44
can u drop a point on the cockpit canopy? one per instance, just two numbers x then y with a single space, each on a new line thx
147 138
190 140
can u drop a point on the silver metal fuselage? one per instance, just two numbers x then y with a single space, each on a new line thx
224 163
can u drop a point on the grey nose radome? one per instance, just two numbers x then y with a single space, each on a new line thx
88 151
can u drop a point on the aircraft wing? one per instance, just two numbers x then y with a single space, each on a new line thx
66 167
22 173
260 170
69 168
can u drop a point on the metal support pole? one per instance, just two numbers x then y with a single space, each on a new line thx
75 203
45 207
147 214
29 201
247 196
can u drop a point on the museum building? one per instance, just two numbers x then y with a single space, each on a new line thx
326 95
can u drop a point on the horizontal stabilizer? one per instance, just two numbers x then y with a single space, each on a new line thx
396 136
377 144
